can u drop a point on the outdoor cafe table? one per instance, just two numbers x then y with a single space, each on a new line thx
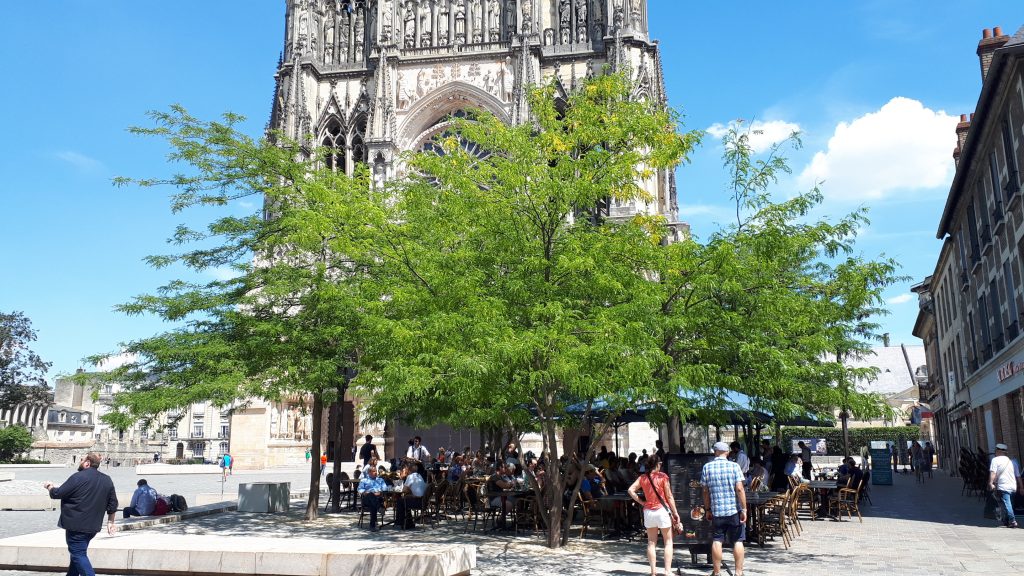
505 495
617 506
816 486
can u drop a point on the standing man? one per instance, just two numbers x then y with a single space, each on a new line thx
805 455
417 451
739 456
323 463
725 502
1004 479
83 499
366 450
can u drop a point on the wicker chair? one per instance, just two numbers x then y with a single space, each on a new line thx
847 499
772 521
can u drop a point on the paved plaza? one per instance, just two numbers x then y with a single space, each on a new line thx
910 529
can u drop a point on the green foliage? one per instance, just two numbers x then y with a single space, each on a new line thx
14 440
858 436
22 371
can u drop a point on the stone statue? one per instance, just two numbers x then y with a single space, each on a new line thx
421 84
477 17
303 32
292 417
494 18
506 79
359 33
410 26
581 14
425 18
460 21
405 98
442 24
563 12
386 14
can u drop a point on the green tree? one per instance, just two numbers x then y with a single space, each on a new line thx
14 441
22 371
512 298
286 324
763 306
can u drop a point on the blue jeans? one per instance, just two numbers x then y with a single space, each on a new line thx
78 545
1007 499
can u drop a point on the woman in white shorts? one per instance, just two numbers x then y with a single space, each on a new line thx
659 511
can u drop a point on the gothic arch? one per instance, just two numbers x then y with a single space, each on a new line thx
425 113
333 135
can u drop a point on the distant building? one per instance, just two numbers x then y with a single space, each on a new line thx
971 305
901 370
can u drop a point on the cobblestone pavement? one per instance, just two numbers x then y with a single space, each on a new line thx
909 529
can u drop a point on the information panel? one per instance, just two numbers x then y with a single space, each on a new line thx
881 463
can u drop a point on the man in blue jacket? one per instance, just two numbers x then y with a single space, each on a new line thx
84 497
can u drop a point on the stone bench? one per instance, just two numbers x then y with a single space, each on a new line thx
159 553
6 476
28 502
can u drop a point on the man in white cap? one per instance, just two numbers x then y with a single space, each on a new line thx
1004 479
725 501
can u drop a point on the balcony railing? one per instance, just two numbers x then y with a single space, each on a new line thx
998 217
965 280
1012 188
197 434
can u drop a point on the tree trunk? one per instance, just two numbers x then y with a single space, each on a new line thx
314 472
339 434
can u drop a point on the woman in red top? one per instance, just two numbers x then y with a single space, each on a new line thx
659 511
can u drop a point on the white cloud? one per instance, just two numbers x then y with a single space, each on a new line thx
222 273
901 299
79 160
903 146
116 361
763 135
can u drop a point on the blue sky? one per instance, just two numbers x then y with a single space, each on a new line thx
875 87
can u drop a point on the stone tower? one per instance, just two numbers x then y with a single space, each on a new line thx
372 78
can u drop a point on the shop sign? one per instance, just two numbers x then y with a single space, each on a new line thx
1009 370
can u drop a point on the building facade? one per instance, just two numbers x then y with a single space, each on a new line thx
372 79
972 304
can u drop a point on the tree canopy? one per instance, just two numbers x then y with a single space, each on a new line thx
22 370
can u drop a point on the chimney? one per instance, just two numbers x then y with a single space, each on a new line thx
962 128
885 339
991 40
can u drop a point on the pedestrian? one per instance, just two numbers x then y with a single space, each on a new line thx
917 460
84 497
367 449
929 456
323 463
725 504
308 454
895 458
660 513
1004 478
805 455
225 464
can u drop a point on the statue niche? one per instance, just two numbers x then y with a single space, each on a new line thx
410 25
460 21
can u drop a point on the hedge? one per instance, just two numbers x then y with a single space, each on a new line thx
858 436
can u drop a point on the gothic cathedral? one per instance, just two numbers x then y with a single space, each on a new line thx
371 78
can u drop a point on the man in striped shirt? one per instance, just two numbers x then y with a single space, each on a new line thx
725 501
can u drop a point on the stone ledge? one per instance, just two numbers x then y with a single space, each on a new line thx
28 502
6 476
159 469
156 553
24 466
141 522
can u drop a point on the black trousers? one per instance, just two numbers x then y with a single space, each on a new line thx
807 470
402 517
374 504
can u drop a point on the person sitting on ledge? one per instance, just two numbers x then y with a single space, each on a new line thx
143 500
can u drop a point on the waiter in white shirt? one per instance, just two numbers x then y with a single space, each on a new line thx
417 451
740 457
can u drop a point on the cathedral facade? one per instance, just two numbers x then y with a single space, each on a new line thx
374 78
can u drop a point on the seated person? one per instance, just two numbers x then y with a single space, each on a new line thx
794 468
501 481
757 470
143 500
371 490
844 468
592 487
373 463
455 471
854 475
413 489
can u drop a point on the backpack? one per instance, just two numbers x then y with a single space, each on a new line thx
161 507
177 503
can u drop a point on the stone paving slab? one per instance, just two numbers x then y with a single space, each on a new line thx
911 529
156 553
